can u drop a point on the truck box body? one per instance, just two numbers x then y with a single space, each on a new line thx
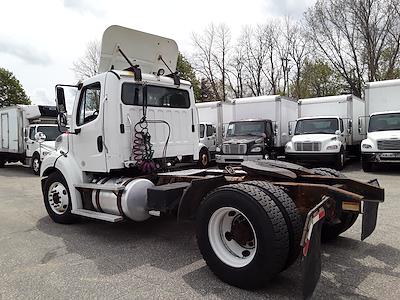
382 96
11 130
346 107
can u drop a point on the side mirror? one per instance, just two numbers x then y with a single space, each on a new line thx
60 100
62 122
337 132
350 129
40 137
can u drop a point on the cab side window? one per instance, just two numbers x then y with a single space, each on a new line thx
89 104
32 133
341 125
210 130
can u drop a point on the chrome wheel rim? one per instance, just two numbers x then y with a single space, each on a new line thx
204 159
232 237
58 198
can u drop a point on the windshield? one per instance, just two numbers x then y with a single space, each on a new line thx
51 132
315 126
245 128
384 122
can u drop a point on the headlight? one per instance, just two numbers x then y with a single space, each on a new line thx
288 147
256 149
366 146
218 149
332 147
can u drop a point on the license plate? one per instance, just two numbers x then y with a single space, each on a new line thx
390 155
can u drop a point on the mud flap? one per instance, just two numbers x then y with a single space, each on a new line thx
311 242
370 214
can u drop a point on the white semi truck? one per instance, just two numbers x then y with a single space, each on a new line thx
382 144
18 127
324 132
250 128
119 160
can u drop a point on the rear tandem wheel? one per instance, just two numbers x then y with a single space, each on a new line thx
242 235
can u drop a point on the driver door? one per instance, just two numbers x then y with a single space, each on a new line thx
88 139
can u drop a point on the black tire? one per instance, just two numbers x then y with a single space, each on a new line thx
329 172
204 158
291 215
366 165
340 160
2 163
272 238
332 231
66 217
36 163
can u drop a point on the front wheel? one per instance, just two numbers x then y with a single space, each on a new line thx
204 158
57 199
242 235
340 160
35 165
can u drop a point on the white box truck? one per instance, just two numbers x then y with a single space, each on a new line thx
382 144
211 131
254 126
18 127
324 131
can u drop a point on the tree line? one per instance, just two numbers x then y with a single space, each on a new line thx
335 48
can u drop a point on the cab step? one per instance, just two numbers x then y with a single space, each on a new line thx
97 215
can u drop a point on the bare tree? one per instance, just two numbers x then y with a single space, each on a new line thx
211 59
357 38
88 65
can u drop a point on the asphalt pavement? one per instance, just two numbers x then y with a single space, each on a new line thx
159 259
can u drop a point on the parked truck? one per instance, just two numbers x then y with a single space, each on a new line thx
119 159
18 126
267 115
382 143
211 131
324 132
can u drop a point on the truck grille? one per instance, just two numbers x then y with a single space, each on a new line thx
234 148
389 145
307 146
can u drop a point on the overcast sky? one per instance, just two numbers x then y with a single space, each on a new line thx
40 39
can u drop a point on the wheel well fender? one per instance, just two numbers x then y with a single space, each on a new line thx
194 195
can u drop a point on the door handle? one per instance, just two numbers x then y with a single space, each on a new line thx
100 143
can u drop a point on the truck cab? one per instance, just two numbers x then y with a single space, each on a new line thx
382 144
319 139
35 151
207 143
246 140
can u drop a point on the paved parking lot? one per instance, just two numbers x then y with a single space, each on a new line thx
159 259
